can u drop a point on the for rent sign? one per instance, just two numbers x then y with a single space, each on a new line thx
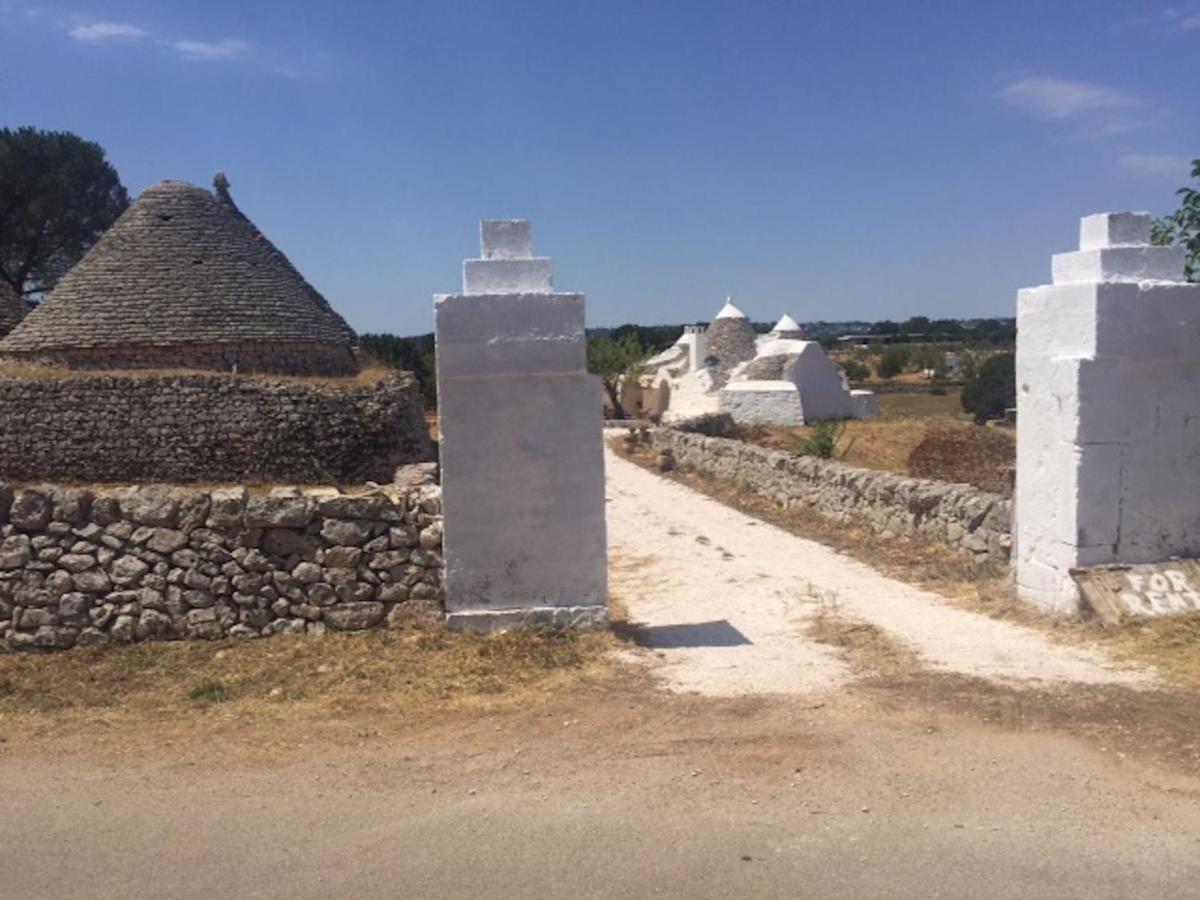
1159 589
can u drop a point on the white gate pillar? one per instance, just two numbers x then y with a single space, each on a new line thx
1108 410
521 444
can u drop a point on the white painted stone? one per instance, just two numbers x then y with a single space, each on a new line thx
1108 414
504 276
521 444
762 403
785 324
865 403
1119 264
729 311
695 340
505 239
1122 229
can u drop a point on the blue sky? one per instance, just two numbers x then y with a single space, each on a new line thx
836 160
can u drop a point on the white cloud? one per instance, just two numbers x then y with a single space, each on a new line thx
1166 165
211 51
1189 23
1057 98
103 32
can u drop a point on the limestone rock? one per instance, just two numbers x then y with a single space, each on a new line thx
354 616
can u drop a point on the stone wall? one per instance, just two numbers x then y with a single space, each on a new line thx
205 427
159 562
290 357
971 520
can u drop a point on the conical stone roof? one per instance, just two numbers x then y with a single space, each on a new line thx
12 309
184 275
730 340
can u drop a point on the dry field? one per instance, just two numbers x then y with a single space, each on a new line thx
923 435
408 672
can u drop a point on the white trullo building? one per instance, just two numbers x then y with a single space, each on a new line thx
779 378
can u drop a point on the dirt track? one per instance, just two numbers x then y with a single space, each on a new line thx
611 790
725 598
921 783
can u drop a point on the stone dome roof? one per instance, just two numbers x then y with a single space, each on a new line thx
180 267
12 309
730 340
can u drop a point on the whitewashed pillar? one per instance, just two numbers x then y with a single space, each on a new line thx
1108 410
521 444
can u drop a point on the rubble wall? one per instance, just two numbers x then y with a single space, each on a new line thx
126 428
971 520
157 562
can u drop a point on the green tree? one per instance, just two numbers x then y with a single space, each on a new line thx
614 359
929 357
855 370
57 196
992 389
1182 227
893 361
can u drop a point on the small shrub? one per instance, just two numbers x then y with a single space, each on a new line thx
855 370
209 691
822 440
893 361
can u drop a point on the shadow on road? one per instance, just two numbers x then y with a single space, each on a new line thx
695 634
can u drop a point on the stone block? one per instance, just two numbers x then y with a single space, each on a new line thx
505 239
1114 264
1120 229
523 492
505 276
510 334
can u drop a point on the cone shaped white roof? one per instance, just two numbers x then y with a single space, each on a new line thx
787 323
729 311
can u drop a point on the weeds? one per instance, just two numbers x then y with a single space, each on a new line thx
209 692
822 440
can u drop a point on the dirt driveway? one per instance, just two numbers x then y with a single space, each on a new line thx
939 777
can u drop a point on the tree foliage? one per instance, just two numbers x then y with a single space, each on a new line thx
856 370
1182 227
893 361
613 359
414 354
992 389
57 196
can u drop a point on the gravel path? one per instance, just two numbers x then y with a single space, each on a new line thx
723 599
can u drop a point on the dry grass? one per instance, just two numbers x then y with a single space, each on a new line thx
924 435
966 453
371 374
407 672
866 647
1171 644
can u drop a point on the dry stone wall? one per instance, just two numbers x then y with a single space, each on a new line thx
974 521
157 562
245 357
197 427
